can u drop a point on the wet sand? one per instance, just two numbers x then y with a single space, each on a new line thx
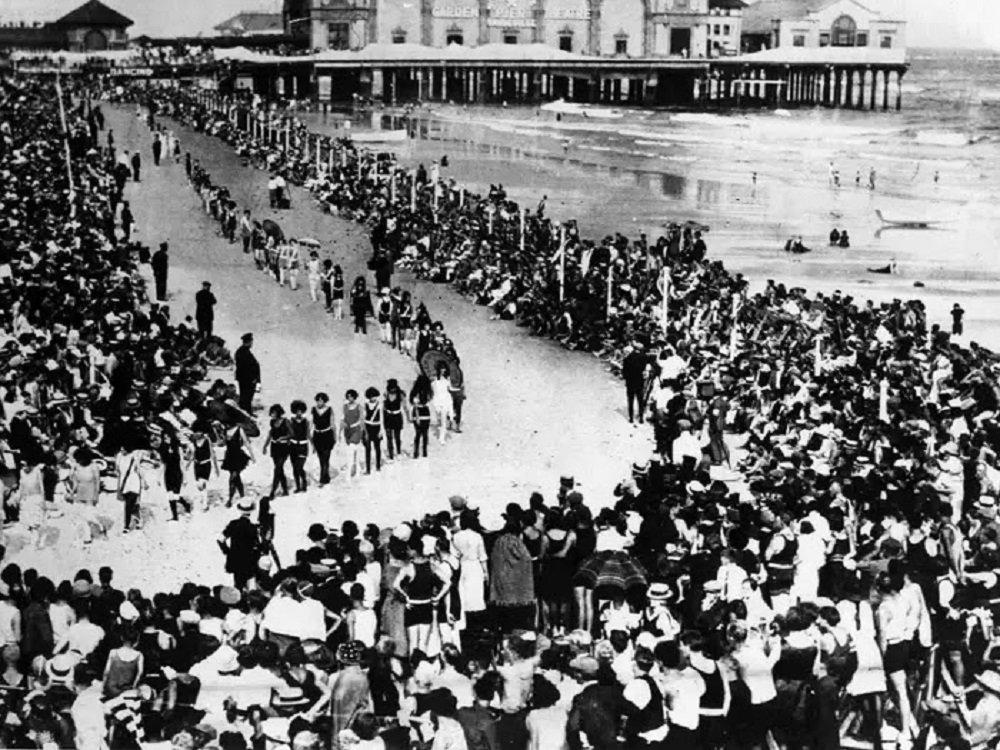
534 411
635 174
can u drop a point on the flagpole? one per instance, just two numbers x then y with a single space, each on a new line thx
65 130
611 274
562 260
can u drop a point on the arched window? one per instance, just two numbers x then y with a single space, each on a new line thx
95 40
843 32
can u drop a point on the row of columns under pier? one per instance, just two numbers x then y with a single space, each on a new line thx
853 87
497 85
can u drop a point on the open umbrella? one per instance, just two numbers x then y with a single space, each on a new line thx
230 415
310 242
430 360
610 573
271 229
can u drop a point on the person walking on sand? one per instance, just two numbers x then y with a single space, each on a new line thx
442 402
239 453
421 424
871 178
352 430
299 444
395 413
374 419
157 149
277 440
324 435
361 306
136 166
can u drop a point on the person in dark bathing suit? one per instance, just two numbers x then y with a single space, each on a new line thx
277 439
395 413
323 435
299 444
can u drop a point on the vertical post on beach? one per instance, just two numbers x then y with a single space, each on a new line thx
818 357
288 134
65 134
392 186
437 190
562 258
524 217
491 211
611 277
665 304
883 400
461 197
343 157
413 192
319 152
735 329
329 160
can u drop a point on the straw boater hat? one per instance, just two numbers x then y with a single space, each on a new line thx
989 680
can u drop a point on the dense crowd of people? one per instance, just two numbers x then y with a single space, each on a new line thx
856 559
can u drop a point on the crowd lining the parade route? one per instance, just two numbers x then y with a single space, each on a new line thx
844 584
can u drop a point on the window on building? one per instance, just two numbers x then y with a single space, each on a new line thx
339 36
824 39
681 4
799 40
843 32
621 45
399 36
886 42
715 29
510 37
861 40
454 37
566 42
725 29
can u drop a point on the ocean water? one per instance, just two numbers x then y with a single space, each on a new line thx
758 178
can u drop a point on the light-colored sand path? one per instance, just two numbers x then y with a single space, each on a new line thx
534 411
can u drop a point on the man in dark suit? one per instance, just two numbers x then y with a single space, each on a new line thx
240 543
136 165
160 263
204 312
634 368
247 373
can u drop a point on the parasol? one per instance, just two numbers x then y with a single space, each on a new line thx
310 242
608 573
271 229
230 415
430 360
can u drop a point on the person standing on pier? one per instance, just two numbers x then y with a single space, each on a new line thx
157 149
247 373
634 370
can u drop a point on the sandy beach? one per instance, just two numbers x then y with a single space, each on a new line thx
534 410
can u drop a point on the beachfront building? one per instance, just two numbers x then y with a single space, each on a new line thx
92 27
332 24
251 26
771 24
606 28
725 26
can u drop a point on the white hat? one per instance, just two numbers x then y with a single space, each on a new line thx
128 612
990 680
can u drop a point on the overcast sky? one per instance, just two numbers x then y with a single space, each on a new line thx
932 23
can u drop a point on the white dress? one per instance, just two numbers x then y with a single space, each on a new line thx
471 552
869 677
